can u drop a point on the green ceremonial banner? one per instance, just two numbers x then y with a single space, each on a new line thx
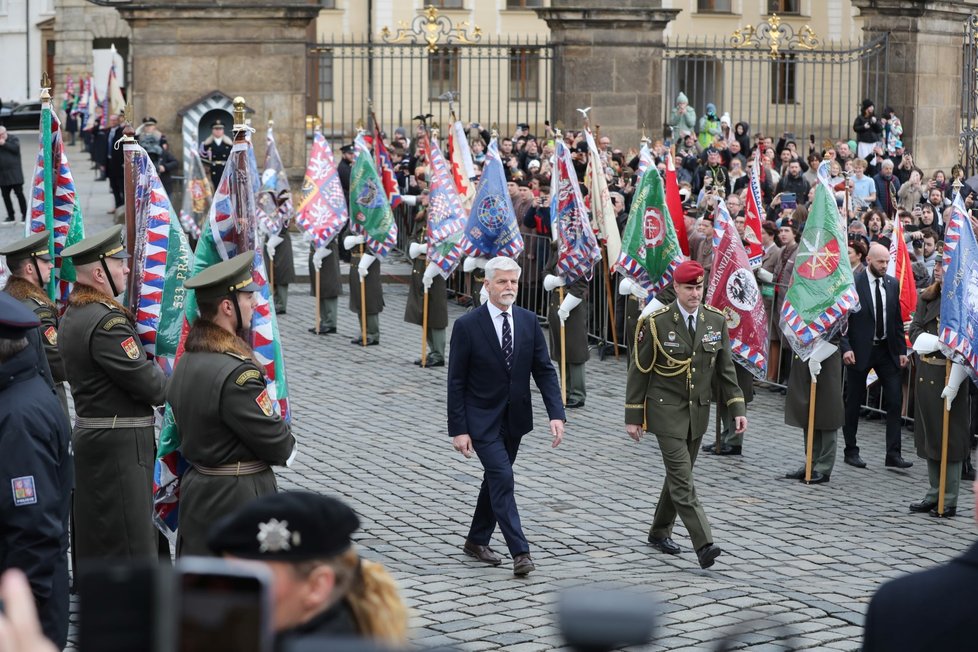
650 249
370 210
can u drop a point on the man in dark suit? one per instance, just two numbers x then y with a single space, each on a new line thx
875 340
928 610
494 351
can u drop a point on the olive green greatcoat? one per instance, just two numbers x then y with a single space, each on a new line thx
284 261
329 273
221 406
110 376
375 291
575 327
829 410
437 293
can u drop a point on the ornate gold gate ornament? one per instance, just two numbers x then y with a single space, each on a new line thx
429 28
776 36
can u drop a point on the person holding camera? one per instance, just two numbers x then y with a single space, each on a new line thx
868 128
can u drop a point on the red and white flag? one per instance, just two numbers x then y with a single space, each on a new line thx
899 268
675 204
753 212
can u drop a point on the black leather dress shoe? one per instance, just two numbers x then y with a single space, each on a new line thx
726 449
322 331
796 475
898 462
575 404
949 512
708 448
666 545
708 554
817 478
922 506
370 342
523 565
855 460
430 363
482 553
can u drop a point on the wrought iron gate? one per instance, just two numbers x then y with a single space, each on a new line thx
777 79
968 143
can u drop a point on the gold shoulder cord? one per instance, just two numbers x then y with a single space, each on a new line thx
674 366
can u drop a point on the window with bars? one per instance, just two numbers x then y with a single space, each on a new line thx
714 6
783 80
524 74
523 4
325 76
442 72
784 7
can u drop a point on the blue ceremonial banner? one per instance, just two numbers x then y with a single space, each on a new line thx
959 291
492 229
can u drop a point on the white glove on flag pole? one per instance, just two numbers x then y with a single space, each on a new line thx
365 262
958 373
470 263
430 272
551 282
926 343
569 303
351 241
627 286
319 256
416 249
821 351
273 242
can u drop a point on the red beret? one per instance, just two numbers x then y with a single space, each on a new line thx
689 271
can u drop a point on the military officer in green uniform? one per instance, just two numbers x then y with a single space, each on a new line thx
325 261
426 275
366 266
931 394
114 386
679 350
571 312
30 270
230 433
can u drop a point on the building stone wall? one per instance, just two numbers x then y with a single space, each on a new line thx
76 24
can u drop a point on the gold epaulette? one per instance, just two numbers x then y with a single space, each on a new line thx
716 310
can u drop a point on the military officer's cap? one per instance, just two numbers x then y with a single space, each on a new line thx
689 271
15 319
346 149
105 244
290 526
33 246
225 278
149 120
217 125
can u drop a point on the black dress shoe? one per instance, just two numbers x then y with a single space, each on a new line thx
482 553
726 449
949 512
575 404
817 478
666 545
708 554
796 475
370 342
430 363
898 462
855 460
708 448
922 506
523 565
322 331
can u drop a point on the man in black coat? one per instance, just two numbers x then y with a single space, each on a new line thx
876 340
115 162
11 174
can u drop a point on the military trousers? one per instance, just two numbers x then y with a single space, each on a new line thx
576 388
823 449
728 434
327 313
281 298
952 483
373 328
678 495
436 344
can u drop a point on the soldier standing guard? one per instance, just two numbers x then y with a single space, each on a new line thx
326 263
572 314
114 385
365 265
679 350
231 436
30 270
214 152
437 292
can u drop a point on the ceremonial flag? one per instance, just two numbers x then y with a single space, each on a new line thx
645 160
821 292
733 290
577 246
446 217
370 211
605 224
463 167
69 88
81 106
274 202
675 203
492 229
113 94
385 167
322 209
650 249
197 196
899 268
53 203
93 103
753 212
959 291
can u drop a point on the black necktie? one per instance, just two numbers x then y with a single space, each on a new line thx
879 310
691 325
507 341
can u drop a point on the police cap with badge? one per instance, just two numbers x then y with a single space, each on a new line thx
96 248
15 319
33 248
291 526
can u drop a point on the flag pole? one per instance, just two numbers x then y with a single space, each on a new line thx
424 330
363 304
319 324
271 274
947 417
610 296
810 442
48 178
563 350
129 196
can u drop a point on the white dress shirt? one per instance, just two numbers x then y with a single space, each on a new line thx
497 321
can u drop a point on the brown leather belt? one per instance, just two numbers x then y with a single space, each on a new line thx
236 469
110 423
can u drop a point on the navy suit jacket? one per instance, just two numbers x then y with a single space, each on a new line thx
862 324
482 392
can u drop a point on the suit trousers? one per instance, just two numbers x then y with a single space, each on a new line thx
17 190
890 379
678 493
496 503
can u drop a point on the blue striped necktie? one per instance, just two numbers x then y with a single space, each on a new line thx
507 341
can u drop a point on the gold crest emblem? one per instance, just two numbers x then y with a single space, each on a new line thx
131 348
264 403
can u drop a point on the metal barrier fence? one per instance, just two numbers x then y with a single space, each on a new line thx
968 143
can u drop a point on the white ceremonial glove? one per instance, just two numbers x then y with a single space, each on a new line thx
365 262
569 303
470 263
430 272
821 351
652 306
926 343
764 275
626 286
551 282
416 249
351 241
318 257
484 294
958 374
272 242
410 200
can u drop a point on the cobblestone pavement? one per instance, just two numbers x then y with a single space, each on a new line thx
799 565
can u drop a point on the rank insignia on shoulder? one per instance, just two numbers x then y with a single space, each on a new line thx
130 347
23 490
264 403
115 321
51 335
247 375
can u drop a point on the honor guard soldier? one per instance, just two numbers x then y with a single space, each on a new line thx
325 261
214 152
571 313
114 386
679 350
322 588
824 365
230 434
366 266
425 275
36 472
30 270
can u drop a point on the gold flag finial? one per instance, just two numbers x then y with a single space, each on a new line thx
45 87
239 110
271 123
361 125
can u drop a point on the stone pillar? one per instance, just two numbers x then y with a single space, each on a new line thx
924 81
609 58
183 49
76 24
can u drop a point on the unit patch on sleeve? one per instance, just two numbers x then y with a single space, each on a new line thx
51 335
247 375
130 347
264 403
115 321
23 490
